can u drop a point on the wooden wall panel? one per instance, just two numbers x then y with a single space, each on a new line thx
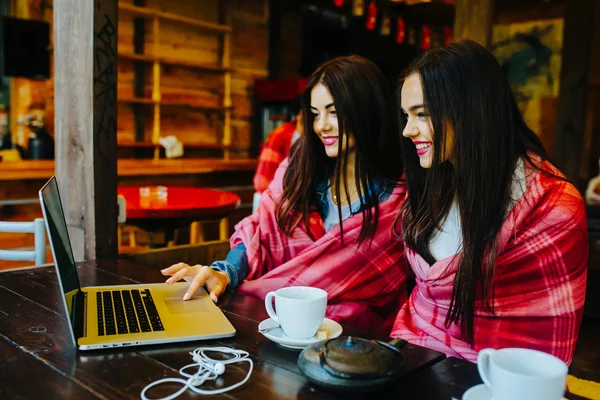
574 87
290 51
547 131
250 50
255 11
592 139
183 42
473 20
507 14
205 9
191 126
188 125
188 78
125 130
240 133
125 35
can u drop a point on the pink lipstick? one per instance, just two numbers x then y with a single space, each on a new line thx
422 147
330 140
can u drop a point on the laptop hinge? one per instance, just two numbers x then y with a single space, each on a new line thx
79 314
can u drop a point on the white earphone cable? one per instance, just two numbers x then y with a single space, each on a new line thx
208 369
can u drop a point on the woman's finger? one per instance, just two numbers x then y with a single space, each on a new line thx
198 281
179 275
216 291
174 268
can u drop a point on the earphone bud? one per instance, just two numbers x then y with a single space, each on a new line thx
219 368
208 369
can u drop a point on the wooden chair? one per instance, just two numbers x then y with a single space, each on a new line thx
197 230
122 229
38 229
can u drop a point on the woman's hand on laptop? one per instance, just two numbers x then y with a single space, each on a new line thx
215 281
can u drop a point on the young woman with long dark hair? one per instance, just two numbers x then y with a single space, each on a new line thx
326 219
494 233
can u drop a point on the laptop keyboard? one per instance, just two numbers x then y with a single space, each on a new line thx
126 311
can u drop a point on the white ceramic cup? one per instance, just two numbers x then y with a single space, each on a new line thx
300 310
522 374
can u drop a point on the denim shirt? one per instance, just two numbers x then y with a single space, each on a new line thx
236 263
323 201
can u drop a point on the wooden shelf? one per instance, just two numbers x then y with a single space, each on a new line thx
137 57
145 100
147 12
27 170
193 106
192 145
224 109
135 100
175 63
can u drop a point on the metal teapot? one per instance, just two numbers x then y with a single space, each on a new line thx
350 363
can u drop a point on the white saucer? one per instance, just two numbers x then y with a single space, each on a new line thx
282 339
479 392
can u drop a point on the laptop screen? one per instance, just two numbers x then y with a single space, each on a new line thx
56 226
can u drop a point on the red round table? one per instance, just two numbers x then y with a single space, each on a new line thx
180 206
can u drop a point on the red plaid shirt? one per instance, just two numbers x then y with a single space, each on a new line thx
275 150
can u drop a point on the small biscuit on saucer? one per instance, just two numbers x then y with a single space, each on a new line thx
323 333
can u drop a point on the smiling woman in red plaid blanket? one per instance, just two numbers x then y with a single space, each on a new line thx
494 233
326 220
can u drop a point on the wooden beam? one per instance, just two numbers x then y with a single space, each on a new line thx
473 20
139 73
86 122
572 99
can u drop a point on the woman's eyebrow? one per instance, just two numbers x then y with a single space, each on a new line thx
327 106
416 107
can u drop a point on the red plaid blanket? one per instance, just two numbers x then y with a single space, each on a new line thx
539 285
365 285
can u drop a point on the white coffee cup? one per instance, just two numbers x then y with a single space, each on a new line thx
300 310
522 374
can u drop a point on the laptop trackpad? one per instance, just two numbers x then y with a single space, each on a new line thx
178 306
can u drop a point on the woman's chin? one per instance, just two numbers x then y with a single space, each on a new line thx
425 163
331 153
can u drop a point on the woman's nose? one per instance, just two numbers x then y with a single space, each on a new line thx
409 130
321 125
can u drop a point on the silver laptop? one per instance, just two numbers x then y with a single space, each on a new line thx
125 315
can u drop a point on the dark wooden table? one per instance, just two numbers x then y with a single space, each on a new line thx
38 360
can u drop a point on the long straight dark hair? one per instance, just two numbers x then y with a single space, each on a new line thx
366 110
467 96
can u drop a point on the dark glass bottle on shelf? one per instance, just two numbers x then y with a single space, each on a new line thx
40 145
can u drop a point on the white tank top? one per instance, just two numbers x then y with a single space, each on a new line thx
448 241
